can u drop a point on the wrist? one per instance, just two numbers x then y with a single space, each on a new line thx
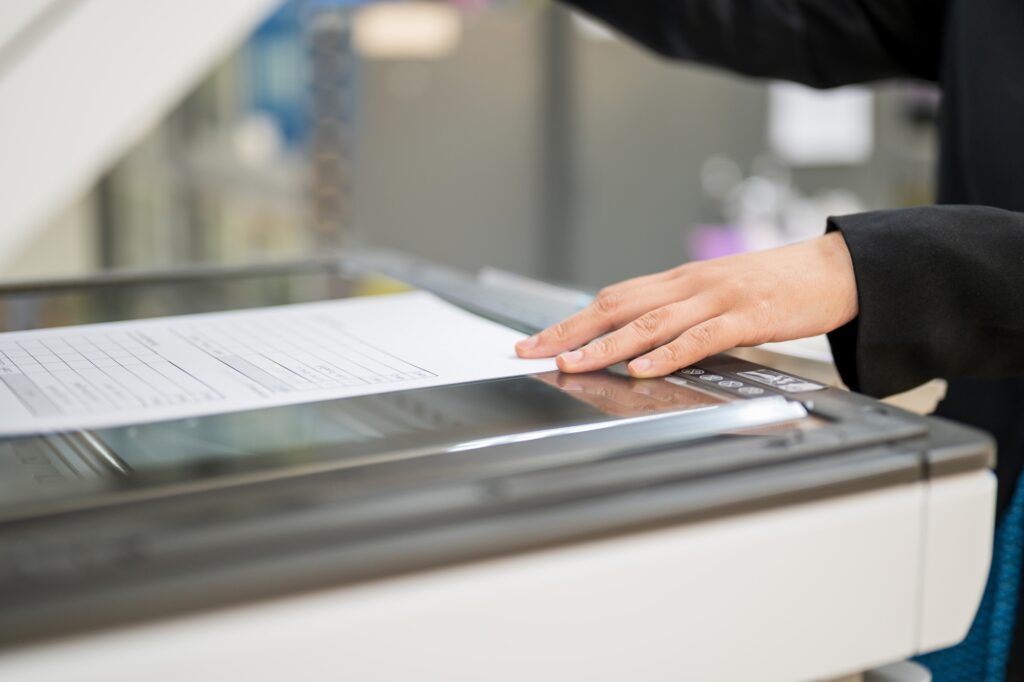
839 272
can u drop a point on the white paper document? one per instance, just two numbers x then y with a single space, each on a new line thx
123 373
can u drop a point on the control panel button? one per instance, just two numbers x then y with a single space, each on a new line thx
785 382
800 387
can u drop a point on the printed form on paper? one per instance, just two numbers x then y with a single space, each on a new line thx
123 373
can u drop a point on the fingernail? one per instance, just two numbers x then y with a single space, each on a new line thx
572 357
528 344
640 365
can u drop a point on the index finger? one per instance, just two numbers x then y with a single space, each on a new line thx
607 312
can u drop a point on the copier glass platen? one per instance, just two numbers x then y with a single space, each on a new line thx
787 508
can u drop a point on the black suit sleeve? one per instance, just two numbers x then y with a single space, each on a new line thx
822 43
941 294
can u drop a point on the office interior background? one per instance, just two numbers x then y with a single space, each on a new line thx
513 134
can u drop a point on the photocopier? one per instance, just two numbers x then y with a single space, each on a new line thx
729 522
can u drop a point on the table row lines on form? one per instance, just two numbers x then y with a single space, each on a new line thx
303 371
72 391
161 383
348 354
76 344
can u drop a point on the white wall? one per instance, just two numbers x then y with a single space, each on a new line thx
86 81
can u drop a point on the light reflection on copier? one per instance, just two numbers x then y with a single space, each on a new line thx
534 413
441 418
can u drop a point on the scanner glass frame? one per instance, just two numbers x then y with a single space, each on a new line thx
86 469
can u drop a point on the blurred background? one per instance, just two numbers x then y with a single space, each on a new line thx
510 133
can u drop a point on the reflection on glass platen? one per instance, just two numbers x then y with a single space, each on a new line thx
624 396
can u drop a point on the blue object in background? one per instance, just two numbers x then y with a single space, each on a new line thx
984 654
278 65
278 73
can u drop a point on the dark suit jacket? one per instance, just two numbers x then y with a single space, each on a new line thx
941 288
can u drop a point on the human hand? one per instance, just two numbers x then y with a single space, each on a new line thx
675 318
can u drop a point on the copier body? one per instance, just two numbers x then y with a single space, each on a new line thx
761 525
